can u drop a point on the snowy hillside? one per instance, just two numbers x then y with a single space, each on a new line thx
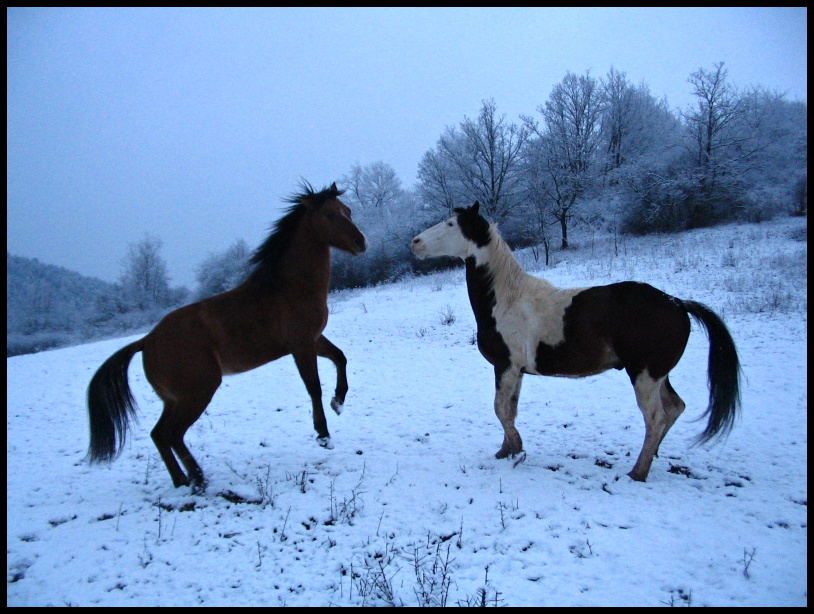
411 507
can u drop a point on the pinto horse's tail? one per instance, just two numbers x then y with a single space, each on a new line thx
111 405
723 373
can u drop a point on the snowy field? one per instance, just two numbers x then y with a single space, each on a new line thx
411 507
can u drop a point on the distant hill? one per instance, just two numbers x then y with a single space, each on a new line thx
49 305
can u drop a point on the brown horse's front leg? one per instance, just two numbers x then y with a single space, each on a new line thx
328 350
307 366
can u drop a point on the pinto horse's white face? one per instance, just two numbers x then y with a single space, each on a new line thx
444 239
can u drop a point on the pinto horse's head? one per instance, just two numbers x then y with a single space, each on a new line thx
458 236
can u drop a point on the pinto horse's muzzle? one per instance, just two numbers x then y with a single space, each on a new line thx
418 247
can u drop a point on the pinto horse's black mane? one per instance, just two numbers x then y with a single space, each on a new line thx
267 257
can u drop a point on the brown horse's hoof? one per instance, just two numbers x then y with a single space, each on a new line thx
325 442
637 477
337 405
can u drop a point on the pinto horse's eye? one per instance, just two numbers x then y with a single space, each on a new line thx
450 224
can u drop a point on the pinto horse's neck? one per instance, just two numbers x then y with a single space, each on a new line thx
493 274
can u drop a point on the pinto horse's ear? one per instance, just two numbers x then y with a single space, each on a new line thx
474 208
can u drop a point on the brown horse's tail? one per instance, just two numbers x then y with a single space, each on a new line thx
723 373
111 405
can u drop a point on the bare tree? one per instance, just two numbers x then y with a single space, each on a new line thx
633 122
144 279
561 157
722 127
436 182
388 215
719 110
221 272
373 187
477 161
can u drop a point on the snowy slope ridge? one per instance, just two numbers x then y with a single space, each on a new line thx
411 507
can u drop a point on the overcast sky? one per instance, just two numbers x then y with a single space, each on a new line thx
193 124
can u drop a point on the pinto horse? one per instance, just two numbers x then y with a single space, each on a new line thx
280 309
526 325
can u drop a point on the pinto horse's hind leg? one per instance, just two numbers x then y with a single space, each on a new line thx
648 396
307 366
328 350
507 394
673 406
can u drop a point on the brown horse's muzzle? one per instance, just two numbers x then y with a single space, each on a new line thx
359 245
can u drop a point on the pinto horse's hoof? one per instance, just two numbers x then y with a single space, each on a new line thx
337 405
506 452
519 458
198 487
325 442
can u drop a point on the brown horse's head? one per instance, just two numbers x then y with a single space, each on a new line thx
331 220
327 221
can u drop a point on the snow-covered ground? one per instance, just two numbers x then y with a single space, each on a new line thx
411 507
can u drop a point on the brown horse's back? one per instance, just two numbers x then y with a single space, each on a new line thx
202 341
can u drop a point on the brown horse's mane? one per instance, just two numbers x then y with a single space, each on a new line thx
267 257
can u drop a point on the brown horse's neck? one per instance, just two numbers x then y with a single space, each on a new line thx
306 264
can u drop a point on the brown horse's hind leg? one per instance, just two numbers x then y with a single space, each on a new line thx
162 438
507 394
307 366
328 350
648 396
168 436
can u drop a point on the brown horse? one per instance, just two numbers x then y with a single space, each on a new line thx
280 309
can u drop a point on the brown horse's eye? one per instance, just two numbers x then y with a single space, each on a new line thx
330 215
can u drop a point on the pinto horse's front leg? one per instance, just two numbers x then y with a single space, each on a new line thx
328 350
307 366
507 393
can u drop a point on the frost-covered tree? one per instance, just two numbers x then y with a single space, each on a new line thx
719 136
223 271
437 182
144 279
479 160
561 158
374 187
633 123
771 162
387 214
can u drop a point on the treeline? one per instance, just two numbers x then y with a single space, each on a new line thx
600 152
605 151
